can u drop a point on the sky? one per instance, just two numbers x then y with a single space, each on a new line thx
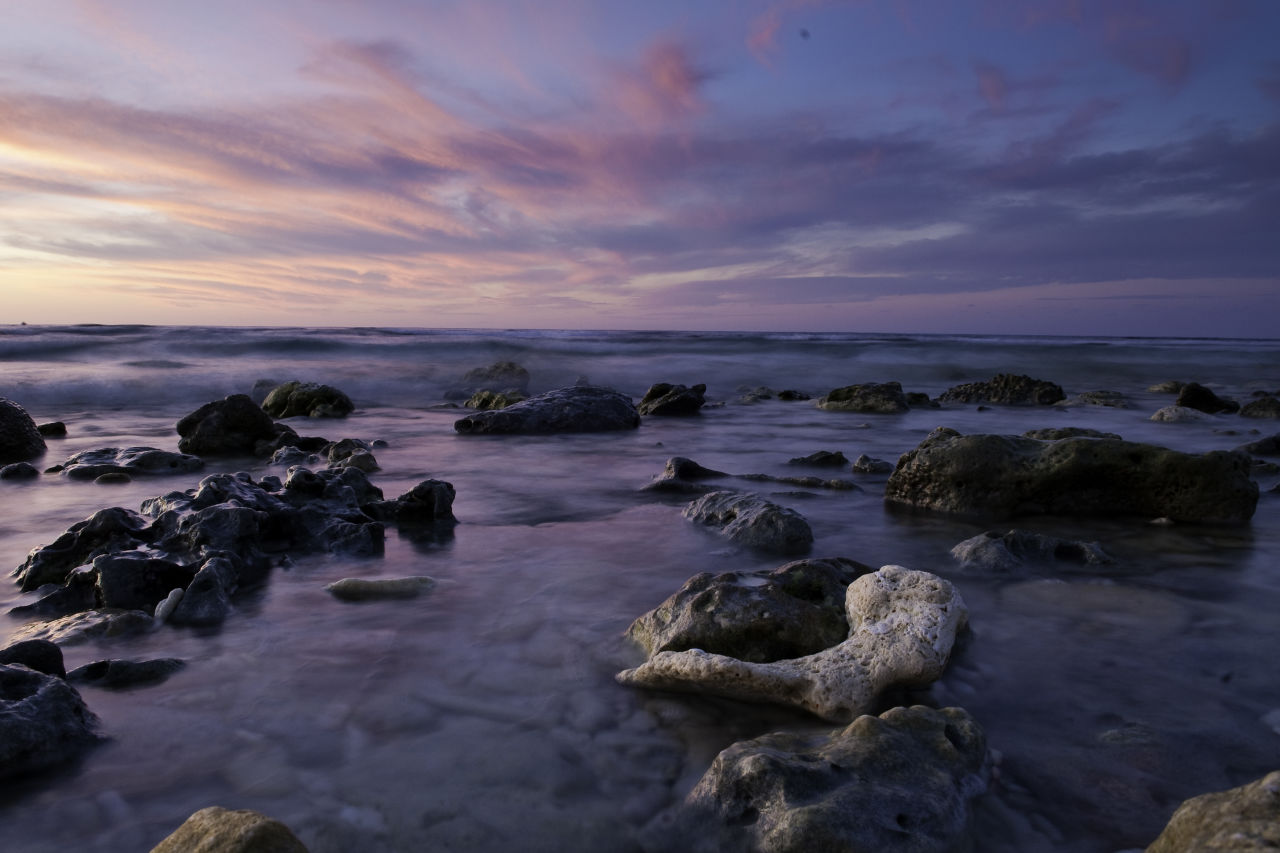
1078 167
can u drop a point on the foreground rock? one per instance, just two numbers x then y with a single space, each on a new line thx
898 783
903 624
1193 395
788 612
1004 476
665 399
20 440
1006 389
579 409
1011 551
134 461
218 830
43 722
1241 820
307 399
753 522
884 398
228 427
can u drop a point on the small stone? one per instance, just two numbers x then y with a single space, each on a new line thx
365 589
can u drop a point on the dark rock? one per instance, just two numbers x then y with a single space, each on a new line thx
90 625
113 478
380 589
864 464
680 475
485 400
43 722
136 581
789 394
207 599
20 440
1059 433
752 521
1177 415
665 399
217 830
229 427
19 471
1241 820
1269 446
1262 407
499 376
1001 476
804 482
40 655
898 783
429 502
1009 552
920 400
1109 399
91 464
788 612
882 398
123 674
1170 386
53 429
79 592
822 459
1195 396
1006 389
577 409
307 399
106 531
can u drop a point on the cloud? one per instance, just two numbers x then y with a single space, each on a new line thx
993 86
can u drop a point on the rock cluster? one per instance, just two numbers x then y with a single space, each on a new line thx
578 409
20 440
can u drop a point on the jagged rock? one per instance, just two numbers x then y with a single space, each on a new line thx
307 399
898 783
43 722
752 521
1262 407
20 440
902 625
1006 389
228 427
368 589
578 409
822 459
218 830
787 612
123 674
92 464
665 399
1241 820
1004 476
1177 415
864 464
485 400
206 601
106 531
1059 433
40 655
1195 396
19 471
1009 552
882 398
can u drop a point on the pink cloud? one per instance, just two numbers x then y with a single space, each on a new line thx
993 86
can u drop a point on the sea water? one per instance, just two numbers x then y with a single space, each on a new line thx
485 716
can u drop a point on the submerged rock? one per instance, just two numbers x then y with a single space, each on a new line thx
1004 476
752 521
578 409
1006 389
1241 820
787 612
89 625
20 439
1269 446
665 399
1109 399
1009 552
1193 395
682 475
19 471
902 625
1059 433
1263 407
1177 415
864 464
217 830
898 783
228 427
307 399
368 589
124 674
822 459
43 722
881 398
91 464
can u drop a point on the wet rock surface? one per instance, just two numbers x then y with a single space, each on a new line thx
753 522
1006 389
43 722
667 400
229 427
40 655
876 398
20 439
134 461
1241 820
125 674
307 399
578 409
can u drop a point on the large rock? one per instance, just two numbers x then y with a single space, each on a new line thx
898 783
20 440
787 612
228 427
134 461
307 399
1006 389
751 521
902 625
875 398
1004 476
1241 820
43 722
1195 396
674 400
218 830
1011 551
579 409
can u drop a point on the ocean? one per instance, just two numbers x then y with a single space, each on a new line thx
485 716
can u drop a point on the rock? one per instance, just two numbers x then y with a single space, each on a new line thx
1059 433
664 399
1241 820
91 464
1170 386
361 459
864 464
429 502
1006 389
822 459
1195 396
136 581
164 610
1009 552
40 655
43 722
578 409
790 394
903 624
751 521
89 625
499 376
307 399
1263 407
1177 415
883 398
20 440
53 429
682 475
920 400
1003 476
898 783
228 427
1110 399
19 471
206 601
1269 446
486 400
78 592
368 589
106 531
112 478
218 830
787 612
123 674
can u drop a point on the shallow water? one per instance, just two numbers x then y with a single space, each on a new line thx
484 716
